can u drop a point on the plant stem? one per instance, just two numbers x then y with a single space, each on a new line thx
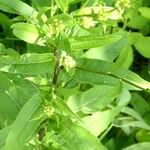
56 68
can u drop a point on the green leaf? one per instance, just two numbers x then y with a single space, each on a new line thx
138 22
10 104
139 146
99 72
14 93
8 51
142 45
124 97
61 105
125 59
3 136
139 104
143 136
27 63
27 32
94 99
86 42
63 4
26 123
132 112
17 7
99 121
41 4
63 43
107 52
125 122
145 12
73 137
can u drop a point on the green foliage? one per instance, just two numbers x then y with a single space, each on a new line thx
74 75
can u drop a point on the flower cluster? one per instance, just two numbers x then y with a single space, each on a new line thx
67 61
49 111
122 4
51 30
57 25
88 22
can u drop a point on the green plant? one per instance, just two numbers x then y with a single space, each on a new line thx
65 82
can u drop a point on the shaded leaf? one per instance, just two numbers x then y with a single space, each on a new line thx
26 123
3 136
139 146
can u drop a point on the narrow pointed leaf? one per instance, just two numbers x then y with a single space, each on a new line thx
100 72
26 123
86 42
26 64
99 121
74 137
3 136
95 98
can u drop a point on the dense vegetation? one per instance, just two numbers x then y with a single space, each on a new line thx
74 74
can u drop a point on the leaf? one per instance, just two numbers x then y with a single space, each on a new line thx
143 136
138 22
130 123
139 146
27 63
99 121
40 4
9 104
73 137
99 72
8 51
3 136
26 32
139 104
26 123
107 52
63 4
86 42
142 45
61 105
14 93
94 99
63 43
17 7
145 12
124 98
132 112
125 59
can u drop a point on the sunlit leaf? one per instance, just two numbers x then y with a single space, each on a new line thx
94 99
27 32
99 121
30 63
